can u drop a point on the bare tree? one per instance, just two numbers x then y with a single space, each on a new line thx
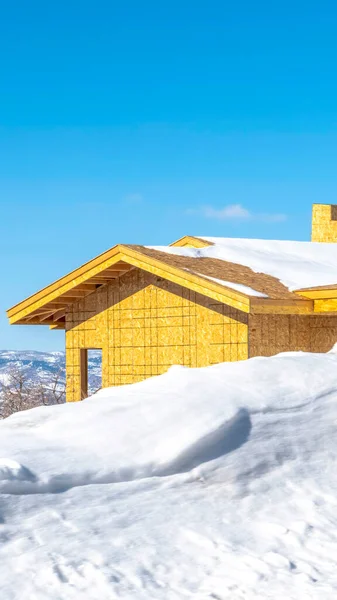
56 389
20 393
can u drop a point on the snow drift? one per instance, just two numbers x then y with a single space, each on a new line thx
206 483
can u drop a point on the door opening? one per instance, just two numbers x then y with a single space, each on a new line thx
91 371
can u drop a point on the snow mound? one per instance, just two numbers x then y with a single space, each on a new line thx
200 483
10 470
14 476
164 425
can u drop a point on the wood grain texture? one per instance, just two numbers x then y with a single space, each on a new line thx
324 223
189 241
145 324
271 334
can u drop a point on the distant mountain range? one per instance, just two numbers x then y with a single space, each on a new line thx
42 366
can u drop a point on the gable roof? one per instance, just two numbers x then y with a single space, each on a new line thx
251 275
190 241
48 306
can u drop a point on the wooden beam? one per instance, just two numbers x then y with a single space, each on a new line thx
325 293
107 275
118 273
47 315
86 287
55 304
327 305
59 314
104 281
59 303
41 314
262 306
84 373
116 269
71 298
75 293
35 322
60 325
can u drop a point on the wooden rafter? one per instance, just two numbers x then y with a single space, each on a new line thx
86 287
59 314
35 321
59 325
41 313
262 306
102 280
47 316
76 293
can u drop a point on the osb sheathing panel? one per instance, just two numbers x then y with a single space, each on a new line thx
145 324
324 223
271 334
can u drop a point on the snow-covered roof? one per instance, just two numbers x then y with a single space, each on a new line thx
243 273
297 265
244 289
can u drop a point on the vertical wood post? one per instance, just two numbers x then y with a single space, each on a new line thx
84 372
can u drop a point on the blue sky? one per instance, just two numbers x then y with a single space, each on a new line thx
144 121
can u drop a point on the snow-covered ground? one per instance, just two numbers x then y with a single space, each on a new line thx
215 483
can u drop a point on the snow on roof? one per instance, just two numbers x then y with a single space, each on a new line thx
245 289
296 264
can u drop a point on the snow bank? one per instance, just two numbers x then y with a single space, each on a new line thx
166 424
296 264
201 483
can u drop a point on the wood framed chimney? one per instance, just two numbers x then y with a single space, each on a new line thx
324 223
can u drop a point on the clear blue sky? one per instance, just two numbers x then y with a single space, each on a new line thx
140 122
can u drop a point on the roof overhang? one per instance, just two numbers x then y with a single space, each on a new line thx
49 305
324 298
319 293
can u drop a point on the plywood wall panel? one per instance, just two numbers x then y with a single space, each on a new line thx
271 334
324 223
145 324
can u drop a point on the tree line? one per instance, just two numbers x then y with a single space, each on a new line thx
18 392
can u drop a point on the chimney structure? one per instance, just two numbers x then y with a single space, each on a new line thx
324 223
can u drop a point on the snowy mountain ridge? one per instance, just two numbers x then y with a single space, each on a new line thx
43 366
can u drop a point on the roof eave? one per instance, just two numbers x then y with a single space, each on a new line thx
64 291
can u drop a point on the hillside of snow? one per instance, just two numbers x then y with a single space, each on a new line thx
214 483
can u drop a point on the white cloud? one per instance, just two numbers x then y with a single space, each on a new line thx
232 211
237 212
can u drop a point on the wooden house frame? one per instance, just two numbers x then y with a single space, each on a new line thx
148 309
